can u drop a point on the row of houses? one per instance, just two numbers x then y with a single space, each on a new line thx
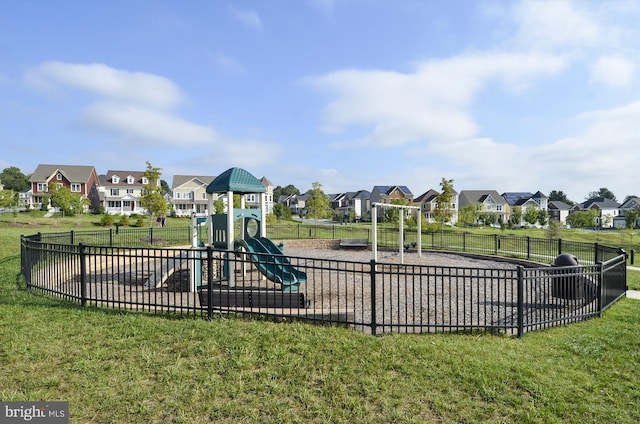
119 192
357 205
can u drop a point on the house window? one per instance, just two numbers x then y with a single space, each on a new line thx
75 188
145 180
115 179
190 195
59 176
129 179
129 191
204 195
43 187
113 203
115 192
498 207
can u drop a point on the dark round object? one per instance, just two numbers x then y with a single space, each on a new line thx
565 259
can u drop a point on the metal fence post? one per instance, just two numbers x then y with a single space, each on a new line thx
596 249
520 301
209 282
528 247
599 288
559 246
83 274
372 271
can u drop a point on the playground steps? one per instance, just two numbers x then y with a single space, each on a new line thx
253 298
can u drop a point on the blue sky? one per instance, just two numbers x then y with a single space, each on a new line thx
497 95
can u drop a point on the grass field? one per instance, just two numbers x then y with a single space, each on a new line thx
135 368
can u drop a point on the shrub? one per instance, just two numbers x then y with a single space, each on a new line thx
124 220
106 219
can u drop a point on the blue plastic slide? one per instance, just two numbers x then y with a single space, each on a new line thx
274 265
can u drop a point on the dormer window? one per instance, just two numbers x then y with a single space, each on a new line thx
145 180
115 179
130 179
59 176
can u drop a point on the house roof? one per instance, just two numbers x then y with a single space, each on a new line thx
237 180
631 203
108 178
599 202
179 180
74 173
427 196
387 189
557 204
468 197
517 197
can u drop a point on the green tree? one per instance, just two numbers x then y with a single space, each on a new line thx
285 191
554 229
152 199
531 215
543 217
444 200
9 199
516 215
70 204
281 211
218 206
318 202
582 219
164 186
603 192
13 179
631 218
559 196
468 215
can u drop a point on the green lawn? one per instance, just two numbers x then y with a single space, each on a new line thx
135 368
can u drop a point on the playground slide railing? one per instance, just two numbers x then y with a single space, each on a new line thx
371 296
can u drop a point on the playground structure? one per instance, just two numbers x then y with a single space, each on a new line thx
252 242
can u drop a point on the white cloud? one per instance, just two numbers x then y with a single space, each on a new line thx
612 70
145 126
114 84
430 104
248 17
557 24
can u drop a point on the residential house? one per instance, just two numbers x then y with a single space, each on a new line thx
390 194
82 180
559 211
428 203
359 202
487 201
253 199
189 194
620 221
607 210
122 190
297 203
525 201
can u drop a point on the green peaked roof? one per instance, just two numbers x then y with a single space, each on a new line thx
237 180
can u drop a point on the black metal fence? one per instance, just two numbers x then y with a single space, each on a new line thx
374 297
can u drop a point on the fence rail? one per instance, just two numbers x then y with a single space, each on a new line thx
371 296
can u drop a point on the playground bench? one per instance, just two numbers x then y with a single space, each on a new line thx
354 243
